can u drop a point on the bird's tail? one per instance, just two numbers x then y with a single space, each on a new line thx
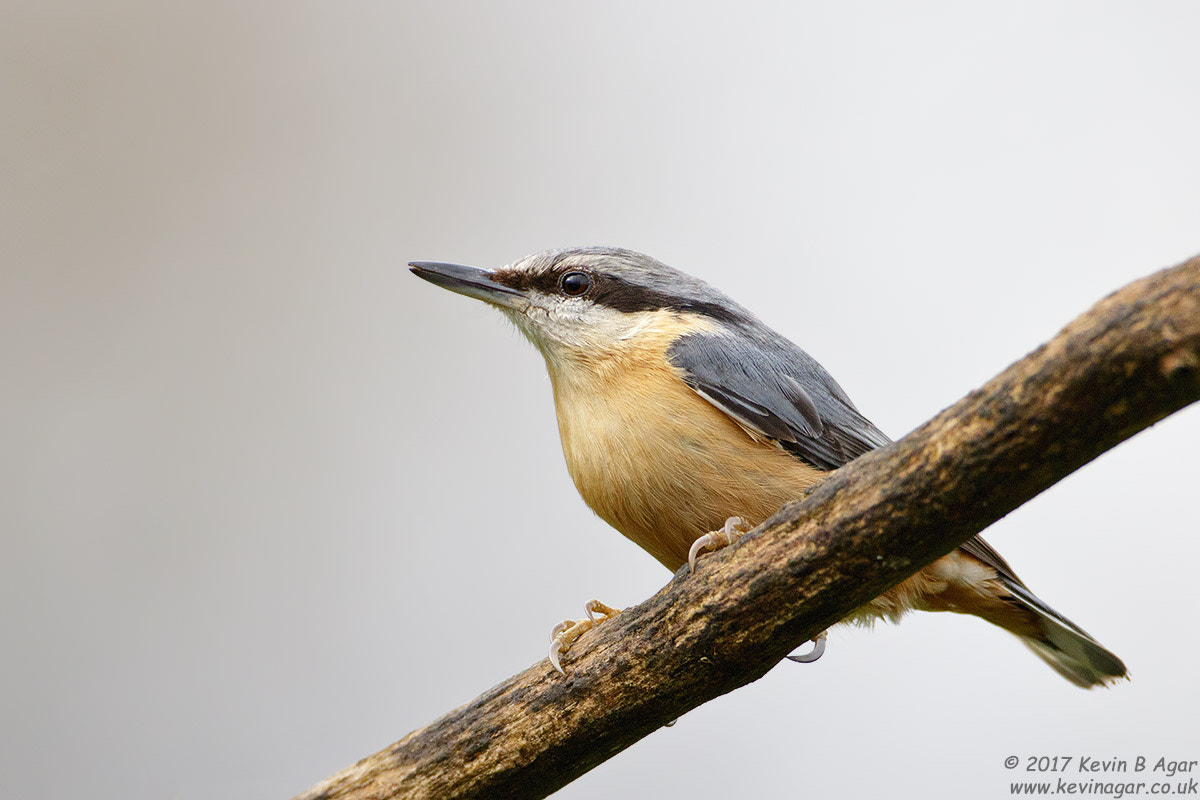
1062 644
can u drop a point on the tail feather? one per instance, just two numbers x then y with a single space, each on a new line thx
1068 649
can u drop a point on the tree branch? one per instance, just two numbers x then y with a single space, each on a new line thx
1128 362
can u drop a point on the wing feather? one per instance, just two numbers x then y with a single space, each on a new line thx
774 388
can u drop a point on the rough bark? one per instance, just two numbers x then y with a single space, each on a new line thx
1131 360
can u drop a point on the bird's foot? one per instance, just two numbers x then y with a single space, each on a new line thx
733 528
817 651
566 632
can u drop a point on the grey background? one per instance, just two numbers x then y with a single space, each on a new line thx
234 427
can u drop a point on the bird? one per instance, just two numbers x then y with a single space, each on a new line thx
685 419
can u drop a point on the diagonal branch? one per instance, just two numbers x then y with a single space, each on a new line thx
1131 360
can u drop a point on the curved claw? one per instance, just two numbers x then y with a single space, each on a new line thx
555 655
556 646
722 538
817 651
703 543
564 634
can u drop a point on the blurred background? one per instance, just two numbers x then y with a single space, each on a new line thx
234 424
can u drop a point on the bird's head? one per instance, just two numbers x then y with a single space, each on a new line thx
585 303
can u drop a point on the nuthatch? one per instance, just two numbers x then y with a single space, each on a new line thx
681 412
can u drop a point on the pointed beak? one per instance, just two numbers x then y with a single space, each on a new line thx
472 282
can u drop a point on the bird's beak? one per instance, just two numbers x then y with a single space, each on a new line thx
472 282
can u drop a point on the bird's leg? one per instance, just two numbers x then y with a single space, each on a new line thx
733 528
817 651
566 632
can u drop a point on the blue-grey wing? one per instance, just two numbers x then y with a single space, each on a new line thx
772 387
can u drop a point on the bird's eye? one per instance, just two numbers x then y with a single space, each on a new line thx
576 283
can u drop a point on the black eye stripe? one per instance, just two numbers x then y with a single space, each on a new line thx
544 282
615 293
611 291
